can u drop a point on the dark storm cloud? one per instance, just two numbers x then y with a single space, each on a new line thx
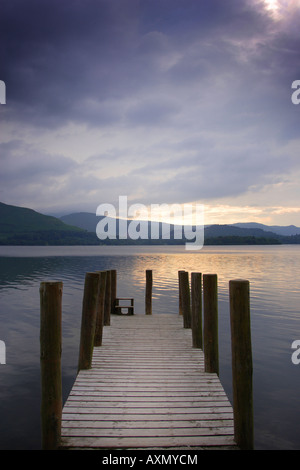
75 60
194 96
56 54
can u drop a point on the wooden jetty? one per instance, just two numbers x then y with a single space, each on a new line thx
149 383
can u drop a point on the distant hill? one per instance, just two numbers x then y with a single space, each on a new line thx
24 226
84 220
278 229
14 219
231 235
243 233
231 230
88 221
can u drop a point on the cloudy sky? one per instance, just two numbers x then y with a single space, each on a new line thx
164 101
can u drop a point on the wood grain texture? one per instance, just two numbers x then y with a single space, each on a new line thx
147 389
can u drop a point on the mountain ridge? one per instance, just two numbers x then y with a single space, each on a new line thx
278 229
24 226
89 220
24 219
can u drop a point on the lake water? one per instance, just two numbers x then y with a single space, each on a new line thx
273 272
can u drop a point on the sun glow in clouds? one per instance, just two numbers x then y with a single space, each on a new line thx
281 9
272 5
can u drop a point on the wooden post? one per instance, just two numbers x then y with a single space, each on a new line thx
242 370
196 283
107 302
179 289
88 320
113 290
50 362
100 308
148 296
210 314
185 298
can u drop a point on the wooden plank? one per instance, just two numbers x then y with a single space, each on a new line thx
158 401
153 442
148 432
208 414
173 395
138 390
148 424
147 410
146 389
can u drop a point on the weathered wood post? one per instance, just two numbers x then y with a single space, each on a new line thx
196 287
242 369
107 301
210 314
88 320
185 299
100 308
148 295
113 291
179 289
50 362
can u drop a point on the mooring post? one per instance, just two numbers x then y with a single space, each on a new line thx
113 290
107 301
196 288
148 295
179 289
210 314
185 299
100 308
242 369
88 320
50 362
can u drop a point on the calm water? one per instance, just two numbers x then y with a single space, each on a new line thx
273 272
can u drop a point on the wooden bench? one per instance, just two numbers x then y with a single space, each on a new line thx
118 308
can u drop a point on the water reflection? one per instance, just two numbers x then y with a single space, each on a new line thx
273 273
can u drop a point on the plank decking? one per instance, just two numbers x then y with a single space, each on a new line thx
147 389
